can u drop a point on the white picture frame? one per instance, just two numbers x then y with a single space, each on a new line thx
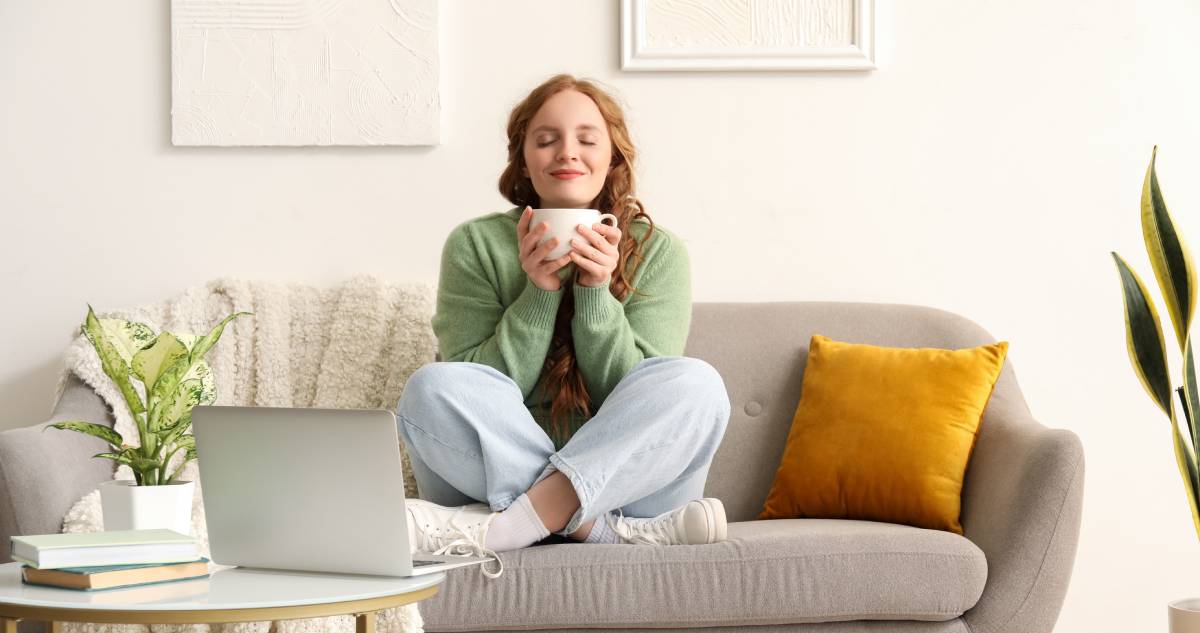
640 52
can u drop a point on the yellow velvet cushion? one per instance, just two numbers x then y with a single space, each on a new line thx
884 433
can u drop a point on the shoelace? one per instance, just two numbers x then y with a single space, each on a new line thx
462 544
662 527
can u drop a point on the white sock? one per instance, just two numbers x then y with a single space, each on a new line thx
516 527
602 532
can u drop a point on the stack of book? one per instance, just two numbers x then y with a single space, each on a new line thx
108 560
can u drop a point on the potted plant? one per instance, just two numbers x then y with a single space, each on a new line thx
161 377
1176 275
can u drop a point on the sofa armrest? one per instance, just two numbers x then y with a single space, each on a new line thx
1022 499
42 474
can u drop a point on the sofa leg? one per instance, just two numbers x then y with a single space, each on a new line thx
8 625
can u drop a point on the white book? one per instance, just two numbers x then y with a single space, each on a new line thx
124 547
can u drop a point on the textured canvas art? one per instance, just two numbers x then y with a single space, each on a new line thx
746 34
304 72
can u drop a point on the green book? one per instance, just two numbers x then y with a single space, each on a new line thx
90 549
108 577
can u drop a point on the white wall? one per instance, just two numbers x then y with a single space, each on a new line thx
987 168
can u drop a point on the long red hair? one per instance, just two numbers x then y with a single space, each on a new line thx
561 373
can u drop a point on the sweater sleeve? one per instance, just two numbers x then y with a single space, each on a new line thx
472 324
611 338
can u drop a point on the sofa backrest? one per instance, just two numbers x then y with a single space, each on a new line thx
760 349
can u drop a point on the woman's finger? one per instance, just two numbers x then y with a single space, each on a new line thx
523 223
611 233
586 264
587 250
544 248
602 236
555 264
531 238
591 235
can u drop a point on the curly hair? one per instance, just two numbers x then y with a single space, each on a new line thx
562 376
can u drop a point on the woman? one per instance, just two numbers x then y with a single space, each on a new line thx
531 347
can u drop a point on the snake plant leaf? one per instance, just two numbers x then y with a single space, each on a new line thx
1187 469
114 363
150 362
1191 397
1144 338
1169 255
96 430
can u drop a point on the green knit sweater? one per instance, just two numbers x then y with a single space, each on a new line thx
489 312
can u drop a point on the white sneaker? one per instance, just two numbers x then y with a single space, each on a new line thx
696 523
442 531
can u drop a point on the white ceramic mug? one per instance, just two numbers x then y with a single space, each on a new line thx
562 225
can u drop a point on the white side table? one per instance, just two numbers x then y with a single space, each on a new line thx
229 594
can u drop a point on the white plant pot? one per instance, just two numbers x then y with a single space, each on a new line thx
128 506
1183 616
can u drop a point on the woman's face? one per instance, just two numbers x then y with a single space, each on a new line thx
567 151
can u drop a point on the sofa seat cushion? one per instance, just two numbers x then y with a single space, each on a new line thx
767 572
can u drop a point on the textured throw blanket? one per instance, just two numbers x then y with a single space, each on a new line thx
352 346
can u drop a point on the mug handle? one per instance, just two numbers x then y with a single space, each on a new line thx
615 221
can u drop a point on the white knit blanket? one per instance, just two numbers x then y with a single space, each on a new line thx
351 346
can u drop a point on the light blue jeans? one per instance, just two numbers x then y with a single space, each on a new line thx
646 451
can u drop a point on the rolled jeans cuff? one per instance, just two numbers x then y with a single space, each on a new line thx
582 515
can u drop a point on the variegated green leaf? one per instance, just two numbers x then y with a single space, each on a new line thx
163 394
188 444
96 430
204 344
138 459
176 403
150 362
202 372
180 427
127 337
1144 339
1169 255
114 364
188 339
113 456
178 371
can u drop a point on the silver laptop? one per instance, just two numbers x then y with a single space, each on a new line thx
307 489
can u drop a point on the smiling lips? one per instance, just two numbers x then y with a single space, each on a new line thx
566 174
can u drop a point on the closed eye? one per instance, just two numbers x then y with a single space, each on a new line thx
547 143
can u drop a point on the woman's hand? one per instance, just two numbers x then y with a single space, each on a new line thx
543 274
595 253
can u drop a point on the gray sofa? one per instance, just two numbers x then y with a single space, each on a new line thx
1021 510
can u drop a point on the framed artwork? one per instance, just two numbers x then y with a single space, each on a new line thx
747 35
304 72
